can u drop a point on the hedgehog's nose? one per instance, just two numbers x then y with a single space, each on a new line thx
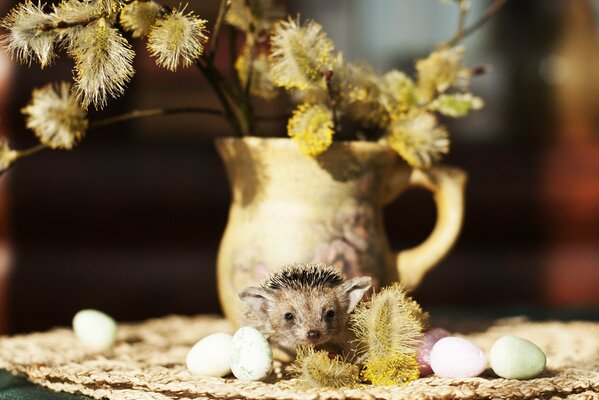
313 335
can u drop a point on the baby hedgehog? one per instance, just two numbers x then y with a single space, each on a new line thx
304 305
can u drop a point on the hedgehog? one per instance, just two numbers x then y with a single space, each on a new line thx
304 304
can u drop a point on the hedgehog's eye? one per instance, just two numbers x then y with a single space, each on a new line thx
288 316
330 315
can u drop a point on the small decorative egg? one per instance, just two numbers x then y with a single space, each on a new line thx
252 355
211 356
513 357
95 329
429 339
454 357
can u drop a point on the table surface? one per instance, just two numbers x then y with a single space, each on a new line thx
18 388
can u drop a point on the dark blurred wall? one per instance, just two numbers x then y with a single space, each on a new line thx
129 222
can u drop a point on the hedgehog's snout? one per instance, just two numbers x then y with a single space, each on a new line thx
313 335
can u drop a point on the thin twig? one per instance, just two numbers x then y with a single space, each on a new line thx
215 82
24 153
31 150
464 8
156 112
250 72
489 13
70 24
137 114
208 64
222 12
233 56
250 43
328 76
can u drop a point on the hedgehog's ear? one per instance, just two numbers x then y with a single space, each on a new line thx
256 298
355 289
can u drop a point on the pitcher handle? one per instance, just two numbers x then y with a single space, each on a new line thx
447 185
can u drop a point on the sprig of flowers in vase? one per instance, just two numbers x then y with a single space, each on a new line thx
336 99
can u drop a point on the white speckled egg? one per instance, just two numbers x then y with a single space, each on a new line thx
95 329
454 357
252 355
211 356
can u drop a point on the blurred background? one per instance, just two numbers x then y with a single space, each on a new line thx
130 221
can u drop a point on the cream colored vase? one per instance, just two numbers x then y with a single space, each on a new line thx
289 208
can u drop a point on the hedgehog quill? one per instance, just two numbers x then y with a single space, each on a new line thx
305 305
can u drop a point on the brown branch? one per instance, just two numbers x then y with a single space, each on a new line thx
488 14
156 112
71 24
222 12
31 150
217 82
137 114
464 8
24 153
328 76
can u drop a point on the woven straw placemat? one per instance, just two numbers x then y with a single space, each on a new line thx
148 362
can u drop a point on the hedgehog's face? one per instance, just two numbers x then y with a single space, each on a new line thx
309 317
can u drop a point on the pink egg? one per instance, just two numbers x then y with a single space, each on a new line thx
454 357
429 339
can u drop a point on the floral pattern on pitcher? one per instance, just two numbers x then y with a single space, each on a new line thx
247 269
339 254
352 227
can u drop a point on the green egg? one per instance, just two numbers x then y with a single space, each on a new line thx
513 357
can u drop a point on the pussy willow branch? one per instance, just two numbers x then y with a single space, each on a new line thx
250 41
71 24
333 102
217 83
30 151
222 12
233 55
139 114
236 104
24 153
464 8
155 112
246 106
250 71
488 14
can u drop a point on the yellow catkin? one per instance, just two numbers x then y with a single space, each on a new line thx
419 140
55 116
439 71
316 369
177 39
386 324
300 55
139 16
396 369
7 155
311 127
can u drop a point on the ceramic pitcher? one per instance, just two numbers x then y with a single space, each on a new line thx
287 208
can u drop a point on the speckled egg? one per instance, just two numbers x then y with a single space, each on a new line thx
429 339
252 355
454 357
513 357
211 356
95 329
